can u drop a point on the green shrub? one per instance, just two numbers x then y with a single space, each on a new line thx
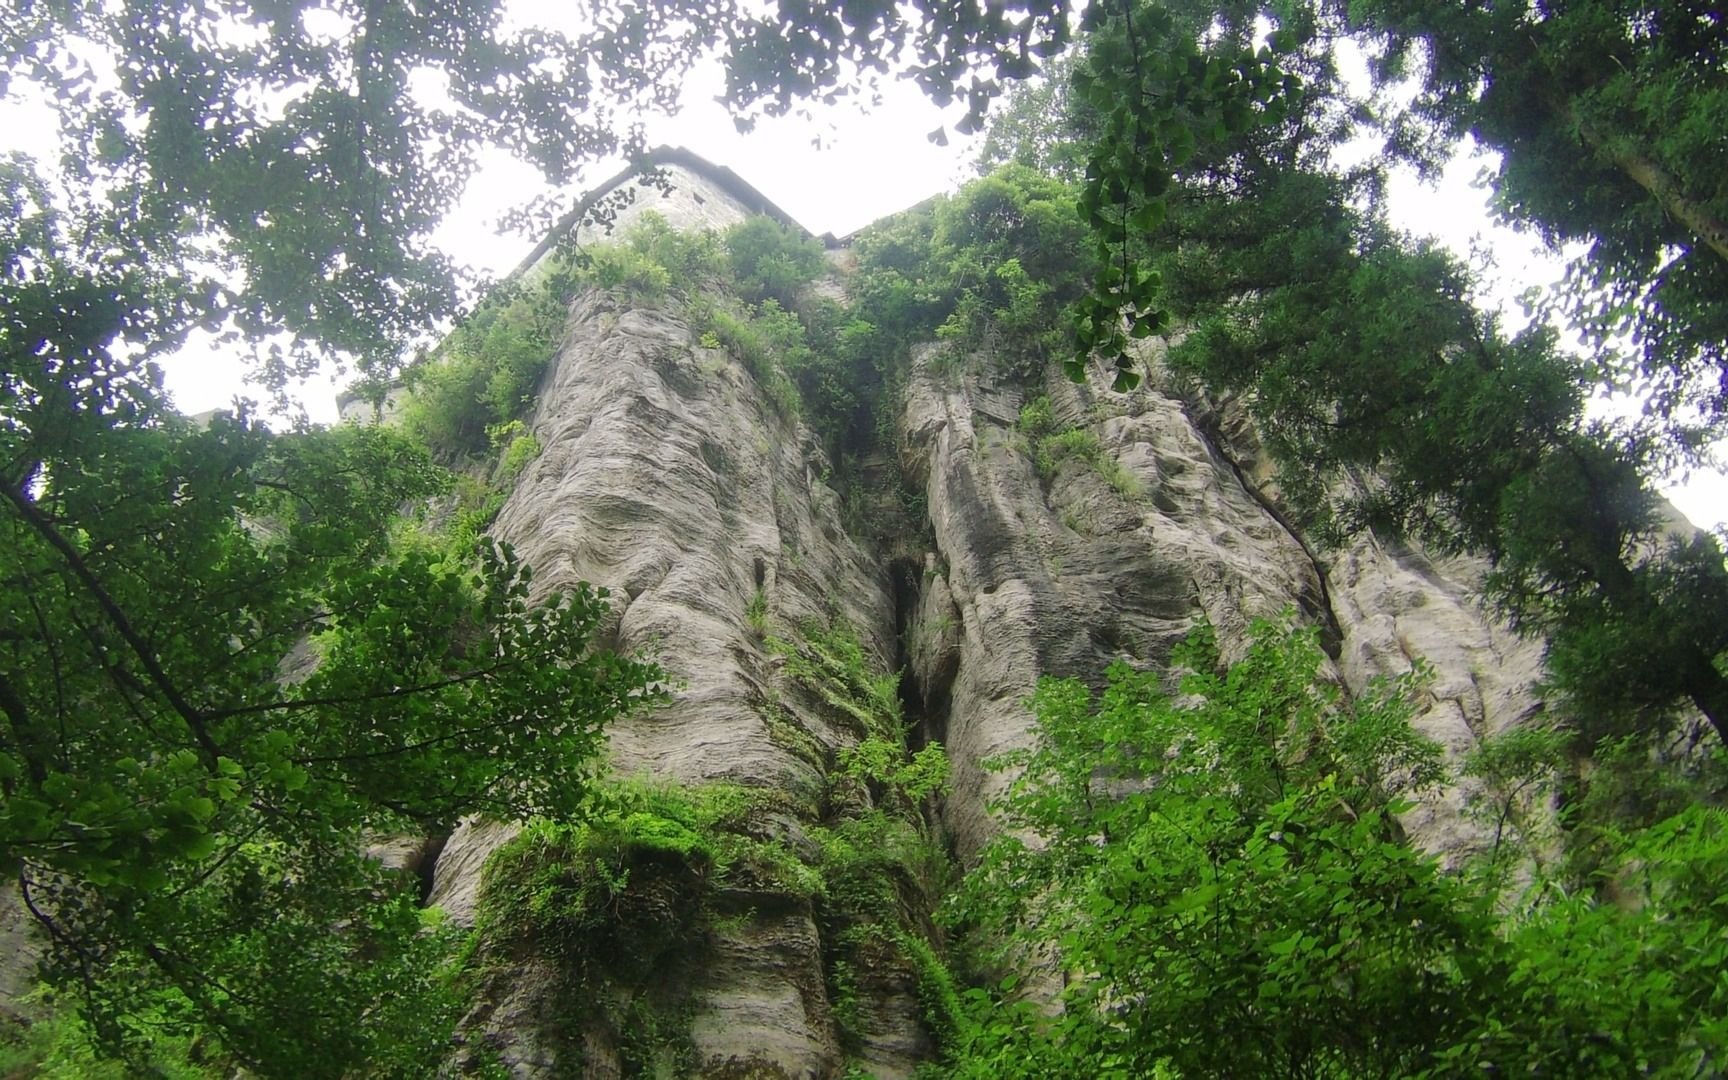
60 1046
772 261
756 612
883 763
1258 907
1074 442
517 454
1051 445
609 895
766 344
1037 419
485 372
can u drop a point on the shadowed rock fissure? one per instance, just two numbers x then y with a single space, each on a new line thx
924 697
1319 610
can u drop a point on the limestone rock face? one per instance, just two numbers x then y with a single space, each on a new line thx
1393 606
667 476
1062 570
1398 606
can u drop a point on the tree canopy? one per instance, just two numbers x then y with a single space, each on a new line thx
226 665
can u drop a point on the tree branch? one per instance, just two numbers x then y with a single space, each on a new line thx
146 656
1650 176
350 699
19 718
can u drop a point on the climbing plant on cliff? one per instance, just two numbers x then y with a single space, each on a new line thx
992 272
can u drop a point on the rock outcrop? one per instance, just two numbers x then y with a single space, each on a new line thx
667 475
670 476
1062 571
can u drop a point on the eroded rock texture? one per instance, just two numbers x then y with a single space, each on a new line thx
667 476
1060 570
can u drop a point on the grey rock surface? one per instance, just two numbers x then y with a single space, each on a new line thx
1062 573
21 944
667 476
1398 606
1394 606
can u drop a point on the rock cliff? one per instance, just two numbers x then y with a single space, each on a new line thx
668 475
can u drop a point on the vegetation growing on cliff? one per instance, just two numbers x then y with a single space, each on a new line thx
1225 870
623 902
222 675
1388 402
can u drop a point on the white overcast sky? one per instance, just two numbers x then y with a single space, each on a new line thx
844 168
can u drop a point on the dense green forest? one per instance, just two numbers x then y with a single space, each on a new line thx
188 795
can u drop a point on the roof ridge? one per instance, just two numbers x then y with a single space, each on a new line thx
722 176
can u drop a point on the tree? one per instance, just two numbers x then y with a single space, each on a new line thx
1606 117
1223 878
301 149
1389 403
1221 868
222 672
288 154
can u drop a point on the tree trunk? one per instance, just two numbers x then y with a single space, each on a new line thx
1710 693
1650 176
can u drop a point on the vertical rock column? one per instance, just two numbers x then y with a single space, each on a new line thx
1394 605
1113 552
1061 570
666 476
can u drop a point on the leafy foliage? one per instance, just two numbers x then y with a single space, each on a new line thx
188 793
625 899
1604 117
483 375
770 343
1050 445
990 271
772 261
289 138
1390 403
59 1047
1227 872
882 866
1225 869
485 371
